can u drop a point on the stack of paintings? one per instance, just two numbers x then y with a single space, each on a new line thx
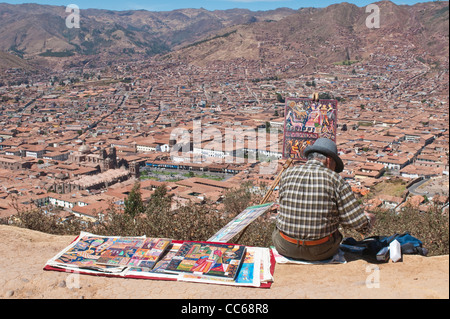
159 270
255 271
208 260
110 254
165 259
132 252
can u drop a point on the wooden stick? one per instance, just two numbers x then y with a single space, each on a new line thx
276 181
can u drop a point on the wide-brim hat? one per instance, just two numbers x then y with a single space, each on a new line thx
326 147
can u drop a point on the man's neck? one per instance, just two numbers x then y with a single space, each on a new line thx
316 162
319 163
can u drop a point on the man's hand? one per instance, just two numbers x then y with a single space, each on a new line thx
371 217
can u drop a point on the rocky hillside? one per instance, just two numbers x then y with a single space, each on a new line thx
25 252
31 29
10 61
300 40
334 34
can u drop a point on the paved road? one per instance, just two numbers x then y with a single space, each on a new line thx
413 188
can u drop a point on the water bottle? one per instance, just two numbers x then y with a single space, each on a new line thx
395 251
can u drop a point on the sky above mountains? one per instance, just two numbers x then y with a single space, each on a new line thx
168 5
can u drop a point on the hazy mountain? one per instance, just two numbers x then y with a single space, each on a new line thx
333 34
31 29
300 40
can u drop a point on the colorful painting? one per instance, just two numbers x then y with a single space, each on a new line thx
250 270
85 252
305 121
241 221
221 260
134 252
149 253
111 253
158 270
161 266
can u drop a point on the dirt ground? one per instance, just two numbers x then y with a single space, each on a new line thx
24 254
435 186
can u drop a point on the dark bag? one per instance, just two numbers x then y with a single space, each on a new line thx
372 245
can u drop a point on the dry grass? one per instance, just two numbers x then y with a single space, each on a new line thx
199 222
394 187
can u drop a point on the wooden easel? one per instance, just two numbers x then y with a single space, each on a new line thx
276 181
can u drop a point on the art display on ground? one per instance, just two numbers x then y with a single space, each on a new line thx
208 260
238 223
166 259
254 272
111 254
305 121
134 252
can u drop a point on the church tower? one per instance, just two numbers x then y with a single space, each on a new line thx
134 169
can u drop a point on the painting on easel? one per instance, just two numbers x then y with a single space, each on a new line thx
305 121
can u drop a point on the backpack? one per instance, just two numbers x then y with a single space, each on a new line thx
370 246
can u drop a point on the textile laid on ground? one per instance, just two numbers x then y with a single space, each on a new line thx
166 259
338 258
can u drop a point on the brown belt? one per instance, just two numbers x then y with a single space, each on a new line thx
306 242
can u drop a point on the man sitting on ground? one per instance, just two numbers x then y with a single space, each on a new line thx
314 200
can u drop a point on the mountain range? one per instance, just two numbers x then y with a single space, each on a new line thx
303 38
312 37
30 29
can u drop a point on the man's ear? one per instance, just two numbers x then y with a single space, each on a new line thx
330 163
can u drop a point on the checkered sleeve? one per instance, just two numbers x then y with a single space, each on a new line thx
351 213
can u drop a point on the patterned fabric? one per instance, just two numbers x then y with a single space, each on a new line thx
314 201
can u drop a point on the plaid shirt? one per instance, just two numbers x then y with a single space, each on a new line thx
314 201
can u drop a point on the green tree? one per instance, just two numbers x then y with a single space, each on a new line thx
325 96
133 203
268 127
159 219
280 98
159 201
